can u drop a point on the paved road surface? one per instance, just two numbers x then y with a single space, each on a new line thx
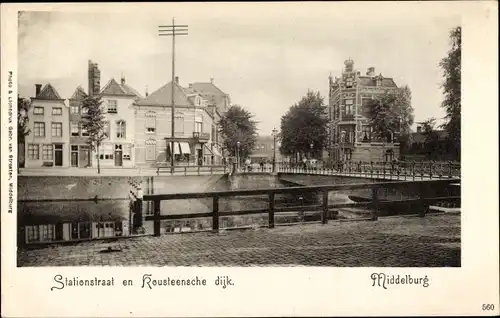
433 241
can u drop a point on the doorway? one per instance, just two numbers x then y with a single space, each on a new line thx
84 155
58 155
74 156
118 156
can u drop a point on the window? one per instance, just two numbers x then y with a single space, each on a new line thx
198 127
120 129
348 154
150 149
367 133
39 129
179 124
126 151
84 131
56 111
32 233
85 110
75 109
112 108
56 129
348 83
38 111
33 152
47 152
106 152
75 129
150 122
348 107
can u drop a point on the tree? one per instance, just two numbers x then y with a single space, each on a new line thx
451 65
391 113
431 142
304 124
94 124
23 106
237 125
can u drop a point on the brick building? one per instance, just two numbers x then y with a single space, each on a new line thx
80 152
194 128
350 133
264 149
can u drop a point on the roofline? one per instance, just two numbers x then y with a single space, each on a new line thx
220 90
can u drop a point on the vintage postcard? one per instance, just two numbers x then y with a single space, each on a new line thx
249 159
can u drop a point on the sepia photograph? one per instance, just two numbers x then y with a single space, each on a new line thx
203 138
131 139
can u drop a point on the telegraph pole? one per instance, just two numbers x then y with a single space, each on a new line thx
173 30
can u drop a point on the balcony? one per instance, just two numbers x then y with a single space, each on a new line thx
201 136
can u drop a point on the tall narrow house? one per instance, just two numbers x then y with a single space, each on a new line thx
47 144
80 153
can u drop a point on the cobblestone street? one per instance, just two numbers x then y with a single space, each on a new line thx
433 241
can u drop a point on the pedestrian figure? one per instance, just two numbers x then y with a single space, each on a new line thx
261 165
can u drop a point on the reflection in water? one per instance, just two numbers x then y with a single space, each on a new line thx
67 220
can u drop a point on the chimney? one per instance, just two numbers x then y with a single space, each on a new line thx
211 80
94 79
190 85
146 91
123 80
419 129
177 80
371 71
38 89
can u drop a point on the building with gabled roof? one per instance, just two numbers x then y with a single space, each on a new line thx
118 102
80 152
350 131
48 142
193 121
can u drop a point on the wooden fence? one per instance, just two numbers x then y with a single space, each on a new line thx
426 196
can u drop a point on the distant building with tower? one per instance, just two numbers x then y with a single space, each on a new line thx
351 137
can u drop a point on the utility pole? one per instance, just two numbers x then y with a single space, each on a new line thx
173 31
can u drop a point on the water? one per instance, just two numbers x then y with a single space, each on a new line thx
76 220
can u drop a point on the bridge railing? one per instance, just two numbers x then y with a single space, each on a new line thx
192 170
425 196
399 170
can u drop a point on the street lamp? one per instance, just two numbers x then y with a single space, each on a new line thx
238 153
310 154
275 134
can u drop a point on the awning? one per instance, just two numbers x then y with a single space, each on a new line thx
210 152
176 148
216 152
185 149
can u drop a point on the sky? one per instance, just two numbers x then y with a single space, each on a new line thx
266 56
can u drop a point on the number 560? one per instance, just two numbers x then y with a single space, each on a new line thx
488 307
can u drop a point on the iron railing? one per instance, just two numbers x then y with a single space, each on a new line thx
379 170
